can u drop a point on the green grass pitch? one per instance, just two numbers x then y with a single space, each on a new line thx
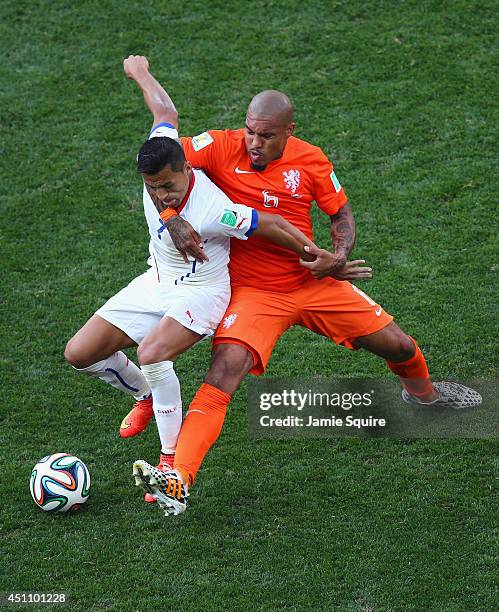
402 96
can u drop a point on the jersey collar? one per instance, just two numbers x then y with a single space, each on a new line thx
182 204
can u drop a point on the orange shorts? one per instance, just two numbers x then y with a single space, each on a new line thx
336 309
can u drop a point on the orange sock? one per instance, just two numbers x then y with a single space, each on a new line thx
201 427
414 374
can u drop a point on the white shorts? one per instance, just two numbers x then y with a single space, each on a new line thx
141 305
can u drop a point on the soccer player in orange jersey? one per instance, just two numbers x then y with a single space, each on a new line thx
264 166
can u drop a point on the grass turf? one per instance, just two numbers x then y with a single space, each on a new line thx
400 95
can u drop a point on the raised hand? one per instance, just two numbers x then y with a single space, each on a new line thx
134 64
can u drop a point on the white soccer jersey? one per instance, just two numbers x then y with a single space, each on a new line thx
213 215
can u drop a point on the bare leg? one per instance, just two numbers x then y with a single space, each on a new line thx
229 365
96 340
390 343
95 350
396 347
166 341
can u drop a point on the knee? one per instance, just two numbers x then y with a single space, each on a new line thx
74 355
229 365
404 348
150 352
390 343
144 354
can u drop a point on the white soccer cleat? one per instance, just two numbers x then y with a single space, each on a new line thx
452 395
166 486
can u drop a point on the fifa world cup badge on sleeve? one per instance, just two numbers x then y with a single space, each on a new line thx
229 218
201 141
335 181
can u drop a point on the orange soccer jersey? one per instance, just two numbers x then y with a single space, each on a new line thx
287 186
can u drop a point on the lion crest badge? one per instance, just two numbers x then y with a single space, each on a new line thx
292 179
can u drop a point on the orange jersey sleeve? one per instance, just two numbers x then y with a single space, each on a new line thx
328 193
205 149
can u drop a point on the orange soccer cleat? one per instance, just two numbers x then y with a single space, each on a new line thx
137 419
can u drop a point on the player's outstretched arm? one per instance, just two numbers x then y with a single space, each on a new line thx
336 264
280 231
343 232
320 267
160 104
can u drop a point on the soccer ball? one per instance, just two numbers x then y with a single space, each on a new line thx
59 483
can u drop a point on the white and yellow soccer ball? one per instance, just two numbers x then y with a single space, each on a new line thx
60 483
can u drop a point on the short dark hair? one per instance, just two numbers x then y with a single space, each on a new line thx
157 152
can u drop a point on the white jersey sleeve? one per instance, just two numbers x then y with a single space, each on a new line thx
222 217
235 220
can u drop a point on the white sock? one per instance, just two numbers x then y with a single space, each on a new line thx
167 402
120 373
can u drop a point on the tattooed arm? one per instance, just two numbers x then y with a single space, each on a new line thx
342 235
336 264
185 238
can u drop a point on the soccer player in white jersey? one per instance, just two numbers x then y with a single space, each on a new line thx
179 300
193 295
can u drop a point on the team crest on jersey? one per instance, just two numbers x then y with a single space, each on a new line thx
229 321
201 141
292 179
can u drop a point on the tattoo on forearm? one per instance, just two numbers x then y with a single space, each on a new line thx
179 230
343 231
